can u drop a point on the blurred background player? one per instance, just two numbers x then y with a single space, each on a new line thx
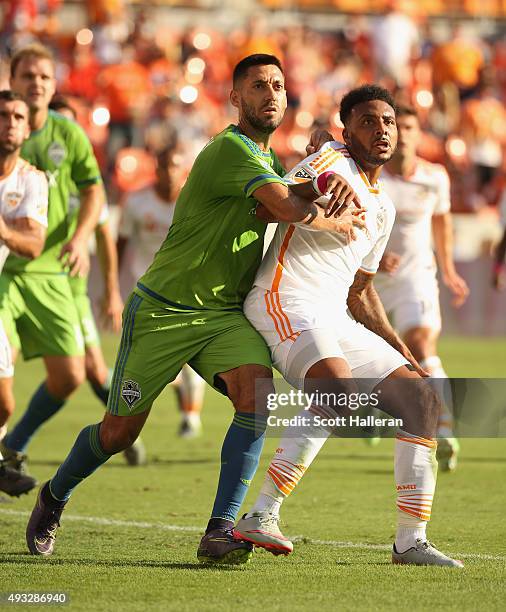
499 269
97 372
37 306
407 283
145 221
23 222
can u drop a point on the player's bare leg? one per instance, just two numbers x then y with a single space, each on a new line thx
99 377
422 342
247 387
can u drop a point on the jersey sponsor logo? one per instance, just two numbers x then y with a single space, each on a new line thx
56 153
302 174
13 199
406 487
131 393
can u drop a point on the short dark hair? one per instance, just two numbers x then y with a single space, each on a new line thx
33 50
59 102
404 110
6 95
257 59
365 93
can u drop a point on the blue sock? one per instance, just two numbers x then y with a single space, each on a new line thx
41 408
84 458
102 391
240 454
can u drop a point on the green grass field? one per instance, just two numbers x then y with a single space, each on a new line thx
129 535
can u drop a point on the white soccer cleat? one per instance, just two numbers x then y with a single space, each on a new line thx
262 529
136 454
424 553
447 453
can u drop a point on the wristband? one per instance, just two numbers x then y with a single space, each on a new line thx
320 182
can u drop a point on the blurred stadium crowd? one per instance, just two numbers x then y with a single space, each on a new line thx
140 80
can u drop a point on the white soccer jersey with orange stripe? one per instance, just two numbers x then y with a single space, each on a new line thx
416 199
319 267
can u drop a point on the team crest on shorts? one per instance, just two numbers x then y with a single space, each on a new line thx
131 393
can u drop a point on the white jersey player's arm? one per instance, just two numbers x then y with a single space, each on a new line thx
23 235
366 308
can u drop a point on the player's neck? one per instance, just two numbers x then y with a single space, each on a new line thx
262 139
402 166
8 163
38 119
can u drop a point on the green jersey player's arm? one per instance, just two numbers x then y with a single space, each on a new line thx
24 236
86 175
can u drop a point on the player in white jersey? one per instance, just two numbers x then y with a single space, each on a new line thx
145 222
315 305
499 269
23 223
407 283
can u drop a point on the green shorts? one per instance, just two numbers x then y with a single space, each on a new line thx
157 341
79 288
39 315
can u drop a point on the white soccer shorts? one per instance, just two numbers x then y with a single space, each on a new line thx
318 337
6 365
410 303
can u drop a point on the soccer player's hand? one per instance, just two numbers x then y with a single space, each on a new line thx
75 257
458 286
390 262
112 310
317 139
342 196
347 222
406 353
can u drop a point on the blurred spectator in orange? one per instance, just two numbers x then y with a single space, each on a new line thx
459 61
126 88
257 39
483 127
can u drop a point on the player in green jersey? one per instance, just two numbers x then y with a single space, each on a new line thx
187 308
36 304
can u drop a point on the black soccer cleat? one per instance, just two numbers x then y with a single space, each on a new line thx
14 483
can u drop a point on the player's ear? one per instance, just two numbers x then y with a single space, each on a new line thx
234 98
346 137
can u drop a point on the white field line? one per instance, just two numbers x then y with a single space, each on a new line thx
96 520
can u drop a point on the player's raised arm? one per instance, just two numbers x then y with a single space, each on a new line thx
442 229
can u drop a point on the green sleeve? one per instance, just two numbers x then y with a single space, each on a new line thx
85 170
238 171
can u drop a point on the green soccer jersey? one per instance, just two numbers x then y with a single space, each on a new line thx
61 150
214 245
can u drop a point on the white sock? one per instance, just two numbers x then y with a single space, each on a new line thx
3 432
295 453
415 478
191 390
438 381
